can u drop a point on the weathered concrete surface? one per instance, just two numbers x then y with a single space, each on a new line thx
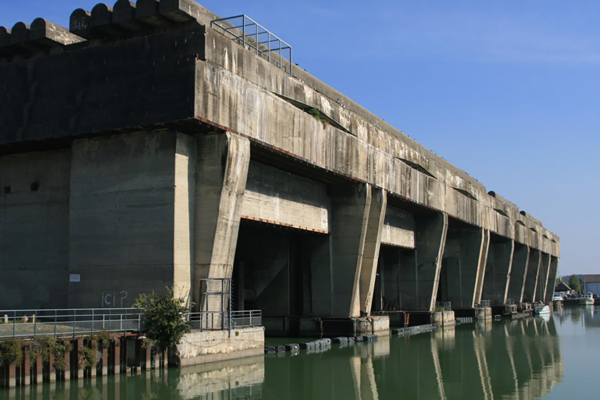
208 346
34 229
220 187
121 218
398 228
282 198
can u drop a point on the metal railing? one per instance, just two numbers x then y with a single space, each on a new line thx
217 320
68 322
255 37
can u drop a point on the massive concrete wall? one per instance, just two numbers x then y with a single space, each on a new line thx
34 229
121 218
172 134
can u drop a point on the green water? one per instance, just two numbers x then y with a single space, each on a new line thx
526 359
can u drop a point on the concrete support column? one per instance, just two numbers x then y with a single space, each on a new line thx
462 266
529 294
419 281
497 274
551 278
368 271
221 173
483 256
350 220
518 273
543 277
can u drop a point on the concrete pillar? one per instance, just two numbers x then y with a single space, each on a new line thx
551 278
483 256
518 273
368 271
543 277
462 266
221 173
419 281
497 274
533 267
350 211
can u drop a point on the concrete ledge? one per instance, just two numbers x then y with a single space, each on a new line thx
210 346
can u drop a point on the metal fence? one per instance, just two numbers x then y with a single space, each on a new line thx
68 322
216 320
88 321
256 38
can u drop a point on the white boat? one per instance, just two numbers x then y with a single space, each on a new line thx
541 309
587 299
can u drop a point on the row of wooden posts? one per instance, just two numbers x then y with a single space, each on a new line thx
120 354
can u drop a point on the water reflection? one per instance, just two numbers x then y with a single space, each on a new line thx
500 360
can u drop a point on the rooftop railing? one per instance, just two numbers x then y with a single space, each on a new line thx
255 37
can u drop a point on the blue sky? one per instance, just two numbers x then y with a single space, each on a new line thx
507 90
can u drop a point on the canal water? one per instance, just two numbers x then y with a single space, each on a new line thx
557 358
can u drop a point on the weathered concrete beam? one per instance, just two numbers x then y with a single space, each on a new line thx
222 170
374 228
533 268
498 268
518 274
419 282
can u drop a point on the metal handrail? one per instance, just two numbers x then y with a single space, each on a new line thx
68 322
218 320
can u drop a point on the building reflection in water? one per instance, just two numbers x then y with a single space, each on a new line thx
507 360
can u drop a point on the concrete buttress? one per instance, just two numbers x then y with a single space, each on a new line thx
350 209
419 282
518 273
483 256
543 277
551 278
221 173
462 266
497 274
368 271
529 294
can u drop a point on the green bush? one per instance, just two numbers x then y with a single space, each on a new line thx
11 351
47 346
163 318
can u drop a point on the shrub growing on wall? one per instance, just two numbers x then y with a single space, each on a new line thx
163 318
